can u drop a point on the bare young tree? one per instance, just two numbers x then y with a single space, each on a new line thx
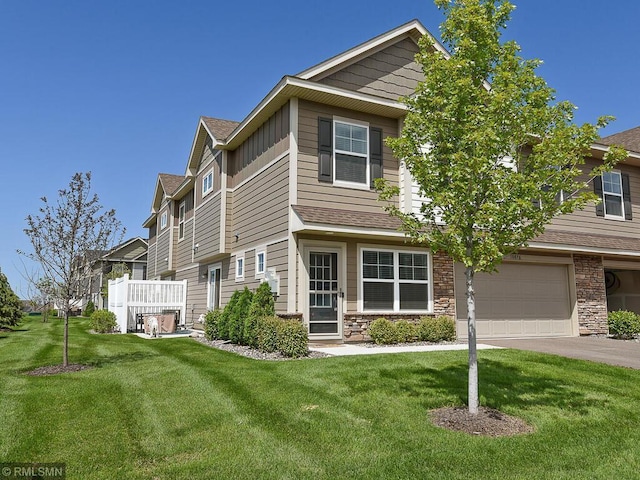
66 232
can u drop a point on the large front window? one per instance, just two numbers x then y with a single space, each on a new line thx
612 193
395 281
351 143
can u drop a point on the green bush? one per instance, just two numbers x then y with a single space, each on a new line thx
267 333
292 338
383 331
10 304
89 309
239 313
405 332
623 324
225 317
437 329
211 320
261 306
103 321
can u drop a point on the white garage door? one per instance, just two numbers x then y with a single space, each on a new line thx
521 300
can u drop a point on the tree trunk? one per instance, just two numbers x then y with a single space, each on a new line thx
65 342
473 356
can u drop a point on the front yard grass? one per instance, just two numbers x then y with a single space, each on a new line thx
174 408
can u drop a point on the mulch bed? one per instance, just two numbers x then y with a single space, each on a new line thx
56 369
487 422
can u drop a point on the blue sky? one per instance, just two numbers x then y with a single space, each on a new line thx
116 87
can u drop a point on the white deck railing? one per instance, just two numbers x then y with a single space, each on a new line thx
127 298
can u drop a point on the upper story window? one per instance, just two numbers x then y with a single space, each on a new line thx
207 183
163 220
239 268
395 281
349 153
613 188
181 217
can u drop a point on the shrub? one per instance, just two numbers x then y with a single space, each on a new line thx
267 333
10 304
261 306
383 332
103 321
225 316
437 329
239 313
211 320
623 324
292 338
89 309
405 332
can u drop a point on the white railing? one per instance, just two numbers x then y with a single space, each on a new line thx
127 298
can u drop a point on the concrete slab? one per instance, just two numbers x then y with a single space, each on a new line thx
344 349
624 353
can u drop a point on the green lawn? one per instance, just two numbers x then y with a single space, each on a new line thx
177 409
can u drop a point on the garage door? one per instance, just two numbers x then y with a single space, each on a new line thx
521 300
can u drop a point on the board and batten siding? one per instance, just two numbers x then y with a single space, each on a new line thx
312 192
586 220
207 227
209 162
261 207
390 73
265 144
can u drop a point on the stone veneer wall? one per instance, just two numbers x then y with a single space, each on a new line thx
355 325
592 295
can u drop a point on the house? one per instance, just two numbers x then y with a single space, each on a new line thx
128 257
286 196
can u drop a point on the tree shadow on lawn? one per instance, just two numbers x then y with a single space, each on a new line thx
120 358
500 386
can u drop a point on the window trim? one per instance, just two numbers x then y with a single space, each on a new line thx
396 278
261 251
336 152
182 215
207 186
619 195
163 220
240 268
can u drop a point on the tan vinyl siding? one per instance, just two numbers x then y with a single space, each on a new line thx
390 73
229 284
277 258
208 164
586 221
196 292
151 261
162 251
229 240
207 227
153 233
184 247
311 192
260 207
188 204
267 143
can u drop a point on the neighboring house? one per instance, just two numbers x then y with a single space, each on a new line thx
131 254
286 196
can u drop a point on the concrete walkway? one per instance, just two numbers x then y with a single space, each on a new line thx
343 349
625 353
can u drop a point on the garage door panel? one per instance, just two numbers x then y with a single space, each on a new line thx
520 300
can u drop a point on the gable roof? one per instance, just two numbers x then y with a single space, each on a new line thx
170 182
220 129
167 184
629 139
413 29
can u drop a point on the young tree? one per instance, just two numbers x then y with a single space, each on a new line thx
489 147
64 233
10 304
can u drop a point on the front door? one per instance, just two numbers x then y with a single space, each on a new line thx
213 293
324 294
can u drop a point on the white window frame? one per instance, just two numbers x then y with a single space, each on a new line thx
182 214
263 252
613 194
240 268
207 183
396 279
336 152
163 220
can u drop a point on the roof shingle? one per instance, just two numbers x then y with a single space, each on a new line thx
170 182
629 139
220 128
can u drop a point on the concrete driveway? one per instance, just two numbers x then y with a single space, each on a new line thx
625 353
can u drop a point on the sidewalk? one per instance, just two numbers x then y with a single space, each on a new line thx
343 349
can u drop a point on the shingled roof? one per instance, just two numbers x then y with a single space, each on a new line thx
346 218
629 139
170 182
220 128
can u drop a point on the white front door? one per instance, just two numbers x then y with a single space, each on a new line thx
213 288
